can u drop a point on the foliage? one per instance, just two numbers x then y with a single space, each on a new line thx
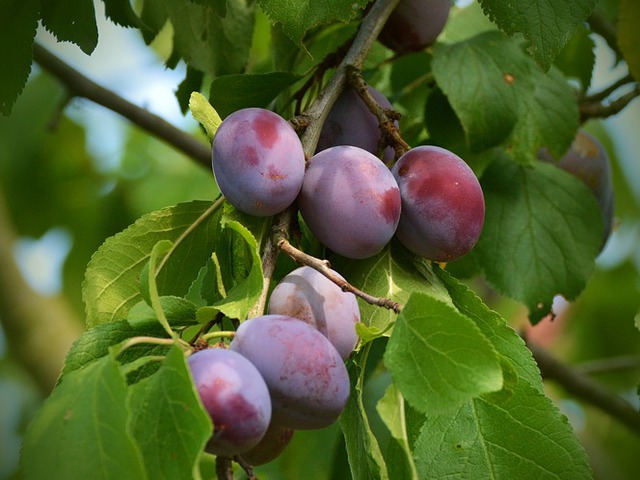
458 393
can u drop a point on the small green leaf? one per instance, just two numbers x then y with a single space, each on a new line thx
629 35
577 58
82 429
438 358
546 24
522 435
18 23
541 234
300 16
121 12
178 311
72 21
204 113
363 451
111 285
168 420
233 92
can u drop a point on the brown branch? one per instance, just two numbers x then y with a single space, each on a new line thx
605 92
386 118
79 85
586 389
603 27
600 110
224 468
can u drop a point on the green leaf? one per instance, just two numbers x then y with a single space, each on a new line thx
390 274
121 12
211 43
240 244
577 58
300 16
629 35
542 232
111 285
547 25
233 92
521 435
178 311
438 358
363 451
168 420
72 21
481 77
204 113
548 117
82 430
391 408
18 23
94 344
154 15
509 345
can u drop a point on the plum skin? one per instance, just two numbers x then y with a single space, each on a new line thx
306 377
270 447
415 24
350 122
258 161
236 397
308 295
442 204
350 201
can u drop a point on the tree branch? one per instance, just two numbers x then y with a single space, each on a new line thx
80 86
586 389
40 329
600 110
605 92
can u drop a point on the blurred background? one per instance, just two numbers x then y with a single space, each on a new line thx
73 173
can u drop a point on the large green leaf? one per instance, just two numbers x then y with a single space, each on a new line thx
211 43
577 58
541 234
546 24
501 436
111 284
390 274
297 17
82 429
18 22
629 34
168 420
72 21
121 12
438 358
233 92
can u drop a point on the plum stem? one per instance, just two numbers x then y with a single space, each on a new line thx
386 117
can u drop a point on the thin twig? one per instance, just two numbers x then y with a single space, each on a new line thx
607 365
605 92
386 118
599 110
224 468
79 85
586 389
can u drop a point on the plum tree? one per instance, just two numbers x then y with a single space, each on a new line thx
442 204
236 397
258 161
350 201
270 447
308 295
415 24
351 123
588 161
306 376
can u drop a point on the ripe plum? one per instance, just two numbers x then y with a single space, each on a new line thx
350 201
236 397
308 295
351 123
307 379
270 447
442 204
258 161
415 24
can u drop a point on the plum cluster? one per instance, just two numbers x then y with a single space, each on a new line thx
351 201
282 372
